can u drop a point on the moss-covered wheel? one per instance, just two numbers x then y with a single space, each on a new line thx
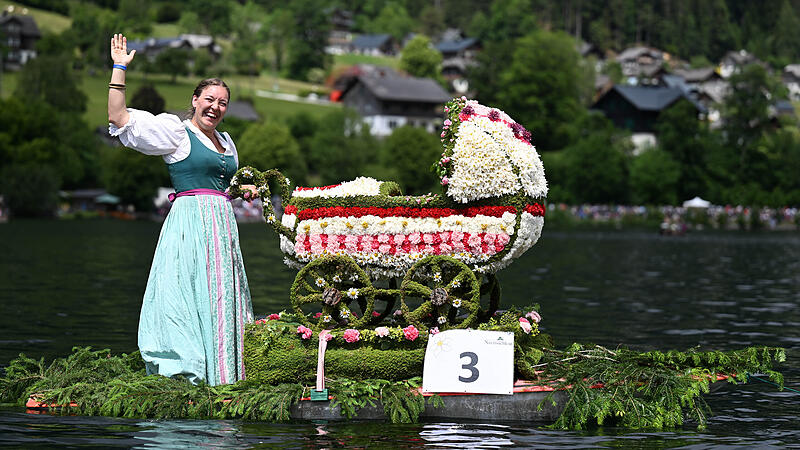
333 291
440 291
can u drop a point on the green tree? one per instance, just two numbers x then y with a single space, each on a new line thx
594 169
341 147
135 15
541 87
420 59
51 79
271 145
147 98
173 61
746 115
133 177
787 34
309 39
431 20
393 19
408 150
654 176
29 190
213 16
683 136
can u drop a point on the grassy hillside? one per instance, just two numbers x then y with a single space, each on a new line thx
46 20
177 96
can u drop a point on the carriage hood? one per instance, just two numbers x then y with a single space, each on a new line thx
487 154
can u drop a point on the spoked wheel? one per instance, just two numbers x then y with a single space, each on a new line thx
333 291
490 296
443 292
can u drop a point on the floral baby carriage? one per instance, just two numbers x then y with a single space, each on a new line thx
360 246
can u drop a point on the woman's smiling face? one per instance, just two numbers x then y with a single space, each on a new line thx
210 107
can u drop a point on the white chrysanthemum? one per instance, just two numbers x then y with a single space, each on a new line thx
320 282
352 293
359 186
457 303
437 277
336 278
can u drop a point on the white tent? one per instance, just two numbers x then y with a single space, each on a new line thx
696 202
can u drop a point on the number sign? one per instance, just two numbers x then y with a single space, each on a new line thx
474 361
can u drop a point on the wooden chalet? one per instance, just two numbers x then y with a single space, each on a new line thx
374 45
637 108
387 100
20 34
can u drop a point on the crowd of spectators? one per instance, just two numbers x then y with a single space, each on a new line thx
677 219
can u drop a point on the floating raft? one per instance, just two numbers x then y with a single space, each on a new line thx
523 405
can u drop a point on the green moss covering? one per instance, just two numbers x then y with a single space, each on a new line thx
273 359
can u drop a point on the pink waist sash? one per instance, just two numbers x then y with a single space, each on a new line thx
173 195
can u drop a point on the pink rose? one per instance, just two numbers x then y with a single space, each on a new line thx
458 246
299 247
383 238
445 181
444 236
457 236
414 238
428 250
351 240
427 238
525 325
434 330
273 317
325 335
474 241
315 239
410 332
351 335
444 248
316 249
317 315
381 331
534 316
304 332
489 238
384 248
398 239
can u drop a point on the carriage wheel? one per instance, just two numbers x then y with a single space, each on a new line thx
445 289
490 296
329 290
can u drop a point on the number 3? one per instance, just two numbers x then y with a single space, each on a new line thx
473 359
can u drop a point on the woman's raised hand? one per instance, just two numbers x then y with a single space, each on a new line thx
119 50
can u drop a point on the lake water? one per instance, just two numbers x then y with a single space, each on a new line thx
64 284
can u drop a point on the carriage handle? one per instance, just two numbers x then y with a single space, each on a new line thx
249 175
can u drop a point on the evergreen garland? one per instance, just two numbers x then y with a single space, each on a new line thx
640 389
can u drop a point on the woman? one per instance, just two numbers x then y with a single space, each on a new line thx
197 299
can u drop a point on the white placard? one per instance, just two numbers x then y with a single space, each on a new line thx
475 361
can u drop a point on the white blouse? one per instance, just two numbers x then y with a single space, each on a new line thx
165 135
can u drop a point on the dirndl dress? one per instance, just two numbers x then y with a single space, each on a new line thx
197 299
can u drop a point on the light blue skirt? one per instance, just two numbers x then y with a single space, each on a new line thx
197 300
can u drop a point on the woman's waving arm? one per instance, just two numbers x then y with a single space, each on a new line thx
117 111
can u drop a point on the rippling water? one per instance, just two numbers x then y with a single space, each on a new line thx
80 283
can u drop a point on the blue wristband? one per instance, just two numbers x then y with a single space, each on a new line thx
119 66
